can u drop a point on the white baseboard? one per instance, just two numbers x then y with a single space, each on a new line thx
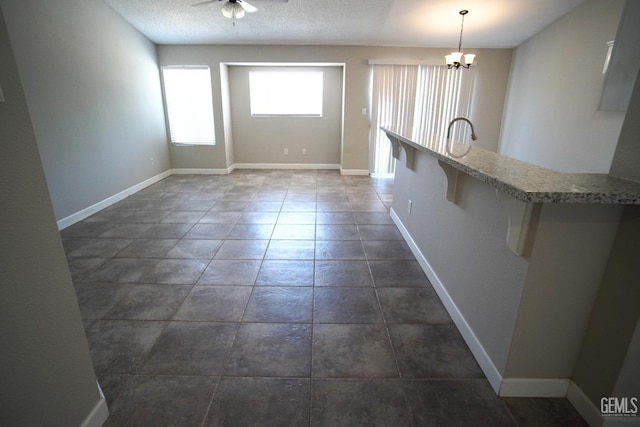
284 166
534 387
95 208
354 171
98 414
481 356
200 171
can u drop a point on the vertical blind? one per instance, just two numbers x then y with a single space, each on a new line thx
417 98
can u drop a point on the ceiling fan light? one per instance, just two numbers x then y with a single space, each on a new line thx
469 58
232 10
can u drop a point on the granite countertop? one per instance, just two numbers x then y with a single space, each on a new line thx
522 180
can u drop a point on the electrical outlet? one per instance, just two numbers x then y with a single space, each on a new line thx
153 161
304 151
409 206
286 151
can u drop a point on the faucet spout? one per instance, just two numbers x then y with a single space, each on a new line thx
473 132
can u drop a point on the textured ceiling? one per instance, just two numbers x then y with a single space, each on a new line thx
427 23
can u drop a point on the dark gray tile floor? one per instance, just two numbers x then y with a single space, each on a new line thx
284 298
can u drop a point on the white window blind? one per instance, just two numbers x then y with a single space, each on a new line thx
418 98
189 105
286 93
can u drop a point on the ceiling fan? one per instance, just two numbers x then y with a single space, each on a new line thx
236 9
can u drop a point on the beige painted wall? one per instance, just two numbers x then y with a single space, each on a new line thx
493 72
93 89
551 114
604 367
263 139
47 376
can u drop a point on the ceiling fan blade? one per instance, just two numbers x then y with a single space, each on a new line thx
247 7
204 3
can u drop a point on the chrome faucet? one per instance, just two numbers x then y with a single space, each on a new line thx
473 132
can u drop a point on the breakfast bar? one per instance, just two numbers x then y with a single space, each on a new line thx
516 252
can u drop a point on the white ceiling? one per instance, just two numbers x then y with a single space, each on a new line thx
424 23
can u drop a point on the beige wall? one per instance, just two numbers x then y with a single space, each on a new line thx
601 370
493 72
93 89
46 373
551 114
259 140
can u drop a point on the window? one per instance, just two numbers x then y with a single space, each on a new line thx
286 93
189 105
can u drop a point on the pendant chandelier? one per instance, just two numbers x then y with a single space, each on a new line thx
454 60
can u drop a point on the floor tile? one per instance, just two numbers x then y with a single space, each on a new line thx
221 217
81 268
214 303
167 231
95 299
294 232
286 273
456 403
186 216
195 249
209 231
242 249
230 272
87 229
398 273
544 412
359 403
99 248
335 218
297 218
163 400
147 248
126 230
373 218
352 351
176 271
379 232
191 348
342 273
119 346
121 270
280 304
137 303
261 217
339 250
386 250
412 305
346 305
291 249
271 350
433 351
298 206
150 216
251 231
272 402
337 232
